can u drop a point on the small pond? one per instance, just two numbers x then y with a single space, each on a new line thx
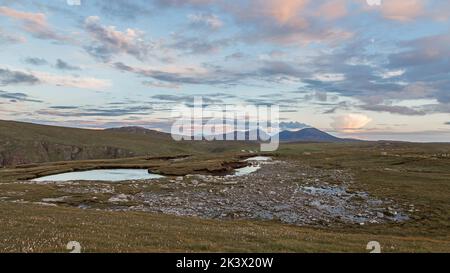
259 158
246 170
101 175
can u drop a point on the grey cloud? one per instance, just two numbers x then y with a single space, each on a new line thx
14 97
63 111
235 56
437 108
402 110
199 45
109 41
123 9
62 65
271 68
422 51
215 77
10 77
293 125
8 38
188 99
62 107
343 105
182 3
426 77
206 21
318 95
36 61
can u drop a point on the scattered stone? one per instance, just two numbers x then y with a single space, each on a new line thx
119 198
55 200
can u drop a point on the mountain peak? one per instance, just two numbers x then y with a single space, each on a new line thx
309 135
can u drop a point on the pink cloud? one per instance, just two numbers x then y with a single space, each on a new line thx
89 83
33 23
282 11
350 122
402 10
333 9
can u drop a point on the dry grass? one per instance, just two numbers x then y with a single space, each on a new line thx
31 228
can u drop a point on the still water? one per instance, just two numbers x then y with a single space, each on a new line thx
101 175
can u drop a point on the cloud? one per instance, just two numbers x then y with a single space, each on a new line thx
15 97
417 70
73 81
402 110
182 3
34 23
198 45
235 56
161 85
62 65
188 99
422 51
437 108
318 95
36 61
184 75
392 73
287 22
9 38
62 111
402 10
63 107
350 122
406 11
293 125
273 21
280 11
11 77
204 20
108 41
16 77
122 9
332 9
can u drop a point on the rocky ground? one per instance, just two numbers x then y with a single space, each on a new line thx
286 191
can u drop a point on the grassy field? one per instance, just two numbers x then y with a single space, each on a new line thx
27 228
407 173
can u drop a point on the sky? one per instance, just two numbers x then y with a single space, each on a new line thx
367 69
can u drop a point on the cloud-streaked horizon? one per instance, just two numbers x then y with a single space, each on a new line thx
339 65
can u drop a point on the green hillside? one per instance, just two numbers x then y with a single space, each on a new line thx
22 143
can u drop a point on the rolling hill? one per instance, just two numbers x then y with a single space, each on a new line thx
23 143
